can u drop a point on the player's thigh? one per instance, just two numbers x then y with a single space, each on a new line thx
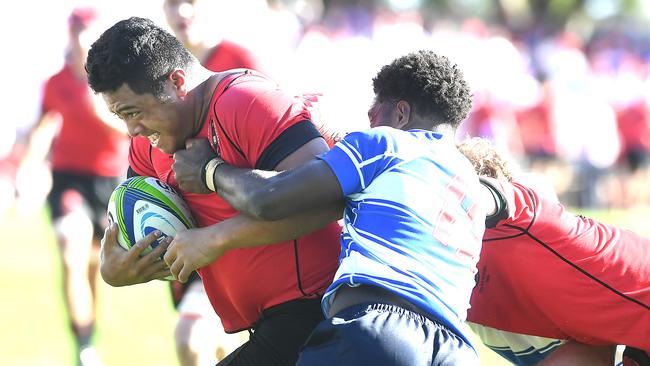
71 217
97 193
66 195
380 334
279 335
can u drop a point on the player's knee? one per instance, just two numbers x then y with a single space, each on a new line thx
74 235
75 227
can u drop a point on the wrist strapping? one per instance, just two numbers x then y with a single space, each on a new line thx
209 170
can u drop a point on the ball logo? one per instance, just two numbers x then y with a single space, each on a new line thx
151 222
166 187
142 205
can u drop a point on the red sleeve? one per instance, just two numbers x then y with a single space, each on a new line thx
140 157
254 112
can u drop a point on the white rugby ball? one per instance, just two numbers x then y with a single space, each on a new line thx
140 205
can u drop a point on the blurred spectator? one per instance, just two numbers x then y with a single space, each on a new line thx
88 159
191 22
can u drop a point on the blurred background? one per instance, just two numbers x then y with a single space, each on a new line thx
560 86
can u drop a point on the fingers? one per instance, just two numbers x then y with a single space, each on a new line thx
170 256
153 271
110 236
145 242
176 268
159 251
184 274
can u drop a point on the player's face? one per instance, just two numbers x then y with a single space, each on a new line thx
159 120
180 16
382 113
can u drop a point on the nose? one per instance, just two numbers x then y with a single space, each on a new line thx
186 10
134 128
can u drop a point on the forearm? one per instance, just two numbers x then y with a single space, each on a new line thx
243 231
278 195
240 186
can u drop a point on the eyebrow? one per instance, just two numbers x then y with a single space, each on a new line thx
122 109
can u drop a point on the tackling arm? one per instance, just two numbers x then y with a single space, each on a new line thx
195 248
273 196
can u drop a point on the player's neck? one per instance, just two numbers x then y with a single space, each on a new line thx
202 96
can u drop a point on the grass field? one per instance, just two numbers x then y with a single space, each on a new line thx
136 323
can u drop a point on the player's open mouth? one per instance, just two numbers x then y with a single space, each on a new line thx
154 138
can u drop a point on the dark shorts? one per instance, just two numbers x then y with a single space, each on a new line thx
72 191
278 335
381 334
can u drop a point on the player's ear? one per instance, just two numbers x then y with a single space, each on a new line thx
179 81
403 109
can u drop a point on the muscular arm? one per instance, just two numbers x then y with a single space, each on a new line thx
274 196
196 248
299 182
192 249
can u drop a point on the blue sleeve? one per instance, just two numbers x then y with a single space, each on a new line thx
359 158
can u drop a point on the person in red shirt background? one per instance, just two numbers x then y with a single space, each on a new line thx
166 98
87 156
198 330
216 53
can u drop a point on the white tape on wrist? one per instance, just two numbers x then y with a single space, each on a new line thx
210 168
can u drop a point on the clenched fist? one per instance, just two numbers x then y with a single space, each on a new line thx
188 165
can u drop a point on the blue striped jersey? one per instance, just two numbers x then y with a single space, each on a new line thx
520 349
412 222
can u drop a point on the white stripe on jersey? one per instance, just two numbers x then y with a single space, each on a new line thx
355 158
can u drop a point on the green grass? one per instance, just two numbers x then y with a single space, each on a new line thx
135 325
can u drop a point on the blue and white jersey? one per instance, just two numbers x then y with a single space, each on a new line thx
520 349
412 222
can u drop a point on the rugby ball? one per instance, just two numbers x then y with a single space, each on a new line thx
140 205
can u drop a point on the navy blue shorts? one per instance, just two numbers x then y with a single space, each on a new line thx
381 334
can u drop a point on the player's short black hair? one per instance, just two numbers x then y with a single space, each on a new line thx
430 83
135 52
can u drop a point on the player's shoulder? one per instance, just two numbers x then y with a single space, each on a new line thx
241 86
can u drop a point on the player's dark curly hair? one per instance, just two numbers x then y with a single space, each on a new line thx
137 52
430 83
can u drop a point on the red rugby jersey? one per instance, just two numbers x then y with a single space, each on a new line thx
546 272
84 144
252 124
